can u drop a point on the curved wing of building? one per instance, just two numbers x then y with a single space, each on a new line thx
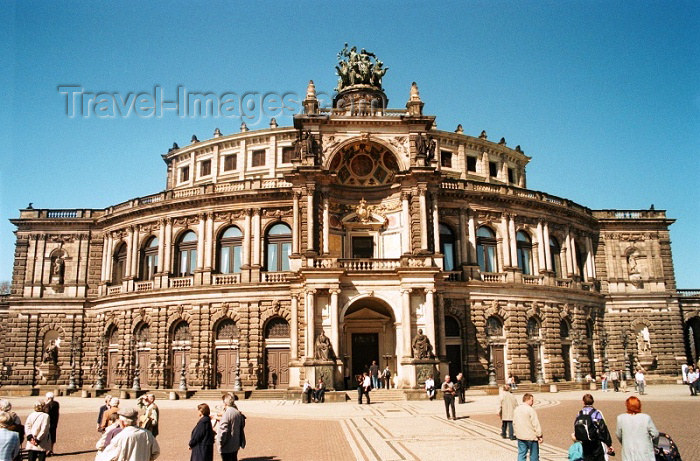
360 234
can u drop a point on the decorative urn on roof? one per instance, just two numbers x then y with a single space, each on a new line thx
360 82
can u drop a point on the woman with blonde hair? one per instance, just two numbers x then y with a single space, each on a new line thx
36 429
636 432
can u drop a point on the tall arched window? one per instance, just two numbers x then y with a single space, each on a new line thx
277 327
278 247
452 327
447 248
524 245
533 329
187 254
486 249
149 259
555 255
119 264
230 245
564 329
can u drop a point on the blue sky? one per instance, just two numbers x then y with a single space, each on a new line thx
605 96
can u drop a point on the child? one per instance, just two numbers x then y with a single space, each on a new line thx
575 450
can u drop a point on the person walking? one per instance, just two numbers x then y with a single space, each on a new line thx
203 436
132 443
36 429
527 429
448 395
386 377
230 431
615 378
636 431
113 408
103 408
639 381
460 385
9 440
365 387
52 408
604 381
150 418
507 405
374 373
590 429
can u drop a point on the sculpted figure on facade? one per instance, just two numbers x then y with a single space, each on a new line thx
323 347
51 352
58 270
358 68
422 349
643 341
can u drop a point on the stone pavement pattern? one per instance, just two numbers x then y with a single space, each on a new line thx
286 430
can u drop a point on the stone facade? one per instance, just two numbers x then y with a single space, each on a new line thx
364 224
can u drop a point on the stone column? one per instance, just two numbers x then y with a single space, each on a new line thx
129 251
209 245
540 247
436 222
105 258
245 260
167 250
505 241
135 253
547 249
326 225
256 237
334 322
574 257
310 323
310 218
406 321
463 238
513 241
472 238
406 228
430 316
295 223
161 245
442 347
294 328
201 241
569 271
423 220
591 260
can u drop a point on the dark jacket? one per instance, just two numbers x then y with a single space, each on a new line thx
202 441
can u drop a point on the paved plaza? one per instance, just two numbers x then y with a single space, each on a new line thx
414 430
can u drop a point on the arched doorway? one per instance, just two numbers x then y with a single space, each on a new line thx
226 352
276 353
180 350
143 353
368 335
453 346
112 354
496 337
565 337
692 333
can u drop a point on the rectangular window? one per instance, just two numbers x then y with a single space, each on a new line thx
493 169
258 158
511 175
230 162
471 163
287 153
363 247
205 168
272 258
446 159
184 174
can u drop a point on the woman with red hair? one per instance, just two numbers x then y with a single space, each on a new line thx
636 431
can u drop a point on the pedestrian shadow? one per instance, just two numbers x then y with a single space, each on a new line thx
261 458
72 453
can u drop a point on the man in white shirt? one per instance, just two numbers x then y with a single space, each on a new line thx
366 387
639 381
527 429
132 443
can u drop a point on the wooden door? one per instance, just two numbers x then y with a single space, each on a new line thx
566 357
112 362
499 363
225 368
144 362
179 358
277 368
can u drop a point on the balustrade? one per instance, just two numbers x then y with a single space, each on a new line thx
180 282
144 286
493 277
226 279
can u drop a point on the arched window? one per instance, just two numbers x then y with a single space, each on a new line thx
533 328
149 259
186 254
141 335
494 327
277 327
486 249
564 330
230 245
181 332
589 329
447 248
119 264
226 330
113 337
524 245
278 248
555 255
452 327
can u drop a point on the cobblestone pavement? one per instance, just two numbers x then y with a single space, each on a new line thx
286 430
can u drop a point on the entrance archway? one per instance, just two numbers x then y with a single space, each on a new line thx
368 335
692 332
276 354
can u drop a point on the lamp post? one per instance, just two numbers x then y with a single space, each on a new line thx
237 380
99 375
604 346
577 362
71 379
183 374
625 344
492 369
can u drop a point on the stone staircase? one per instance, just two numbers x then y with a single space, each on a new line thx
273 394
384 395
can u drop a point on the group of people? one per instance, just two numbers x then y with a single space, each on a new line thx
691 377
39 430
592 440
126 435
314 394
380 378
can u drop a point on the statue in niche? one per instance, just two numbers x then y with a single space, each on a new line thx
58 267
51 352
643 341
323 347
633 264
422 349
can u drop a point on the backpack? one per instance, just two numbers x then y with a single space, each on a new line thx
585 429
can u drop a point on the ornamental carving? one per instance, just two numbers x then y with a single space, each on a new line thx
364 164
186 221
62 238
278 213
228 216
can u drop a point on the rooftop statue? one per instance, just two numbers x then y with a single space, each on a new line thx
361 68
